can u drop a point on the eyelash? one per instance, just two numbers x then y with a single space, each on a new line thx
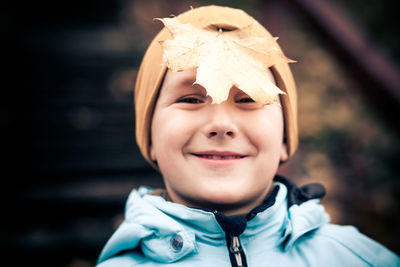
190 100
194 100
245 100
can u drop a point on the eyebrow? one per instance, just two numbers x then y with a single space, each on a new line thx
188 81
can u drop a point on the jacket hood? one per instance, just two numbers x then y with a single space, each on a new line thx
152 223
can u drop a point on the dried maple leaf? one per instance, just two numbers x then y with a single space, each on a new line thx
224 59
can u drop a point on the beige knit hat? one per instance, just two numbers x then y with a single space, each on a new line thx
152 72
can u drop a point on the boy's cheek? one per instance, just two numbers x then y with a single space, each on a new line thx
166 141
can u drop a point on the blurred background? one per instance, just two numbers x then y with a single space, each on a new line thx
67 118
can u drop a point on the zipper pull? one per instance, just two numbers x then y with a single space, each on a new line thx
236 250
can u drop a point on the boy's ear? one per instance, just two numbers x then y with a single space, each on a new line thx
152 154
284 152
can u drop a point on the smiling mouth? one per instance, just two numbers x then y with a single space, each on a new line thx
219 156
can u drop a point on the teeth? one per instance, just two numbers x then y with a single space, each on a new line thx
221 157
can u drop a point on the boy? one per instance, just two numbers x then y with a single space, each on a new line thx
216 119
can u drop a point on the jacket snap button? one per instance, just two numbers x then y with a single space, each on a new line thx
177 242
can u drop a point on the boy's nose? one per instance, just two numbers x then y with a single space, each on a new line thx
221 133
220 123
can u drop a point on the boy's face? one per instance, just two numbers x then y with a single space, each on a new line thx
218 156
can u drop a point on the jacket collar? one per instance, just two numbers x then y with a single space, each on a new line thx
152 223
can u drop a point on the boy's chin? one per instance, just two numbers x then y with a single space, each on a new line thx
228 204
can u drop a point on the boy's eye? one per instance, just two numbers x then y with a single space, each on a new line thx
190 100
245 100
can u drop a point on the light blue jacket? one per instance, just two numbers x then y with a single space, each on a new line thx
287 233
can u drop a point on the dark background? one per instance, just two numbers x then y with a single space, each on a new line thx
67 118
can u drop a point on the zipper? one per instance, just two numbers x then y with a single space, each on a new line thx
233 227
236 253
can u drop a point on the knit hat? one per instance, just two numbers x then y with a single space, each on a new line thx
152 72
